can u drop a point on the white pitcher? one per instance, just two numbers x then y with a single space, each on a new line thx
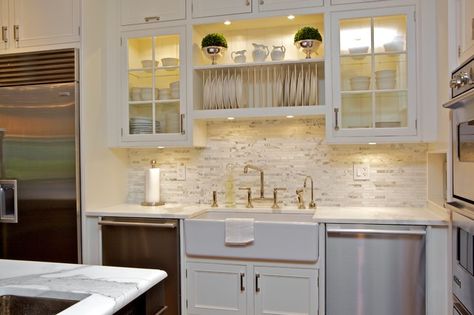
278 53
260 52
239 56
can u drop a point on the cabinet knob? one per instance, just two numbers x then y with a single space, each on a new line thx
455 82
152 18
247 2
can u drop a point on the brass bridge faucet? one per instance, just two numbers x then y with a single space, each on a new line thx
246 170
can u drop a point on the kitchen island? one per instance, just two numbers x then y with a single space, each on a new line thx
98 290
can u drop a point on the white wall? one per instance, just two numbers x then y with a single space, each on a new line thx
104 171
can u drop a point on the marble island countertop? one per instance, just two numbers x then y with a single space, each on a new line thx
101 290
429 215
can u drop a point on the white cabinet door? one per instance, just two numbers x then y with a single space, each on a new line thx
216 289
202 8
151 11
285 291
466 29
45 22
4 25
267 5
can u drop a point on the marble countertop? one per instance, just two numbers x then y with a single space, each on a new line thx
101 290
430 215
169 211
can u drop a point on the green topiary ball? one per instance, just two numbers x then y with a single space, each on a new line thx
214 39
306 33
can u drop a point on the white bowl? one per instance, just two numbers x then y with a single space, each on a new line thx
360 83
359 50
147 94
136 94
381 74
394 46
149 63
169 62
385 83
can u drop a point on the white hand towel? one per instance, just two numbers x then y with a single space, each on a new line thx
239 231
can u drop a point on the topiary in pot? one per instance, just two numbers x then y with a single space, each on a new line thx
308 39
214 45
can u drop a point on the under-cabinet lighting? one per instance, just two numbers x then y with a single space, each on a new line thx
291 17
160 147
372 143
227 22
290 116
230 118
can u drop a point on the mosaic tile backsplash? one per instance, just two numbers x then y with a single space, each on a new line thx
287 151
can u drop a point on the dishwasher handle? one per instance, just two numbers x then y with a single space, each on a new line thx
375 231
167 225
162 310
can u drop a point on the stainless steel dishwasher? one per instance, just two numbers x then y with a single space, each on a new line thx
145 243
375 269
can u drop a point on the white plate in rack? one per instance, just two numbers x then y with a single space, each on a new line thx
232 96
292 100
299 89
239 90
225 93
286 88
313 96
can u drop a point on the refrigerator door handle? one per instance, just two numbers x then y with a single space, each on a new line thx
8 201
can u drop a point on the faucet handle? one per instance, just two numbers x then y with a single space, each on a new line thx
299 196
214 200
275 197
249 196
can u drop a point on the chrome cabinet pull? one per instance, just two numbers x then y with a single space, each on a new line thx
4 34
336 118
132 224
242 287
181 124
152 18
257 288
2 201
16 32
374 231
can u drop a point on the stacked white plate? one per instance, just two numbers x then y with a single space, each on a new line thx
359 83
385 79
174 87
143 125
164 94
172 122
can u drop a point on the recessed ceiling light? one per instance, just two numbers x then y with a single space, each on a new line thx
291 17
290 116
372 143
230 118
160 147
227 22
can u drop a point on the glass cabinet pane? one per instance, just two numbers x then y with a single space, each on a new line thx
356 73
391 109
154 84
390 34
356 110
355 36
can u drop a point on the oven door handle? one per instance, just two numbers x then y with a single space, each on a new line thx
139 224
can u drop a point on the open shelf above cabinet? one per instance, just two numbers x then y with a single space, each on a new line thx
259 87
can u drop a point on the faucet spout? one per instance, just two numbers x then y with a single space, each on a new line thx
262 177
312 204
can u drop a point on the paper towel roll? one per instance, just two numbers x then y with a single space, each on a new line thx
152 185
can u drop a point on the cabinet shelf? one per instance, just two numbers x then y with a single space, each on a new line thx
257 64
177 100
267 112
355 56
376 91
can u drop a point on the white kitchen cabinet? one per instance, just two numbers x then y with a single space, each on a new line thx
203 8
153 87
337 2
4 24
45 22
268 5
151 11
242 288
217 289
374 74
465 27
285 291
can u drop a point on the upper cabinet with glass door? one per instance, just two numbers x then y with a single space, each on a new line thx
153 87
374 90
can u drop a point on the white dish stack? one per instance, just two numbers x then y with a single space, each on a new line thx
360 83
143 125
174 87
385 79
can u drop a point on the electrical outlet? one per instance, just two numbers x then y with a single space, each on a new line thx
361 171
180 171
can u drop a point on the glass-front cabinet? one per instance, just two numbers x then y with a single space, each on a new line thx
153 86
374 90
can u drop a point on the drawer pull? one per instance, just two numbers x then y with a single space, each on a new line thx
16 32
132 224
4 34
152 18
257 288
242 287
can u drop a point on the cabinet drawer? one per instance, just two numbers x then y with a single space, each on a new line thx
151 11
203 8
269 5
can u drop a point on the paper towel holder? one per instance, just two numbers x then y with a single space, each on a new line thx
153 204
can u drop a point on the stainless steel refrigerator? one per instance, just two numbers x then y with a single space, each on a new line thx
39 156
